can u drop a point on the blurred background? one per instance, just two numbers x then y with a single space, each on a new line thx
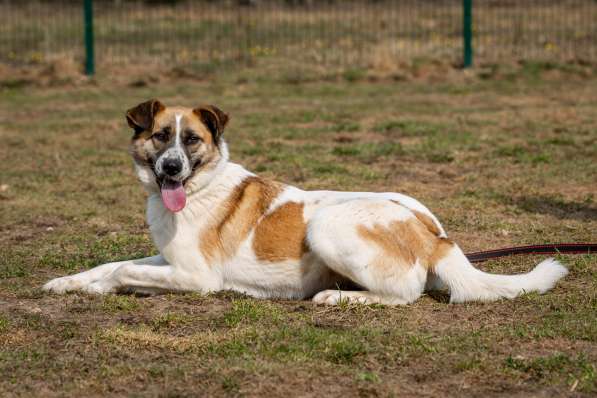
376 34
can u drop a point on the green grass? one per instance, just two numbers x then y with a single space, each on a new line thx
369 152
408 128
501 161
576 371
116 304
249 311
4 324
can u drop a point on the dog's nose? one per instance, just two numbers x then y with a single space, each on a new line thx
172 166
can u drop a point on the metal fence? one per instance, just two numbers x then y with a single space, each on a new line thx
337 32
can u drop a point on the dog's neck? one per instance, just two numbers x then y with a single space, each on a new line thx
202 180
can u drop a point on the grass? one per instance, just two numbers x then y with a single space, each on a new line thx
501 161
577 370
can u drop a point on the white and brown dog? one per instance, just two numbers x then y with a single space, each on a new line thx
218 227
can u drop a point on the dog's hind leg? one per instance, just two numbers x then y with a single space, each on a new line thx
378 244
394 289
83 279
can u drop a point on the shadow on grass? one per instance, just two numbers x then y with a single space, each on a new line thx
439 296
557 207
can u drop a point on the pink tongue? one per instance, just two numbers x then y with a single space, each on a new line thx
173 195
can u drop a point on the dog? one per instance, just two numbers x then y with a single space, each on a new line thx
218 226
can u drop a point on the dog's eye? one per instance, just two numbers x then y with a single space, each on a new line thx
192 139
161 136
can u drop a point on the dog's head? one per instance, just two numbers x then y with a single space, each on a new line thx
171 145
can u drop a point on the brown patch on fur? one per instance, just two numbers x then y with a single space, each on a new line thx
403 242
281 235
141 118
197 125
428 222
236 217
444 245
214 118
424 218
140 148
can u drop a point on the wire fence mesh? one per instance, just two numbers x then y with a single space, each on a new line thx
327 32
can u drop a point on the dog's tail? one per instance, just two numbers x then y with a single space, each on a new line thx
467 283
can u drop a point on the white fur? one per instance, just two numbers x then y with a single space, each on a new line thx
337 251
467 283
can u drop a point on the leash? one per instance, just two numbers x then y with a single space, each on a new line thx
552 248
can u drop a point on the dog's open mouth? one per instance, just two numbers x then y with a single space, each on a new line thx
173 195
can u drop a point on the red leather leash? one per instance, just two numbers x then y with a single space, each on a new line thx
552 248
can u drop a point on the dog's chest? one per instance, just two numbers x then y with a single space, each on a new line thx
175 235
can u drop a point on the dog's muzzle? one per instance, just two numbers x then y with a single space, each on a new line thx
172 166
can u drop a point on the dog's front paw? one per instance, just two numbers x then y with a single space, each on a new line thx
62 285
72 283
98 288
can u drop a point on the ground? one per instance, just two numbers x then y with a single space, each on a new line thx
501 159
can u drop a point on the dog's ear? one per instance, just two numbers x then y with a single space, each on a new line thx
140 118
214 118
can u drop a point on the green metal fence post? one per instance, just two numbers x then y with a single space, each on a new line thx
89 51
467 32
